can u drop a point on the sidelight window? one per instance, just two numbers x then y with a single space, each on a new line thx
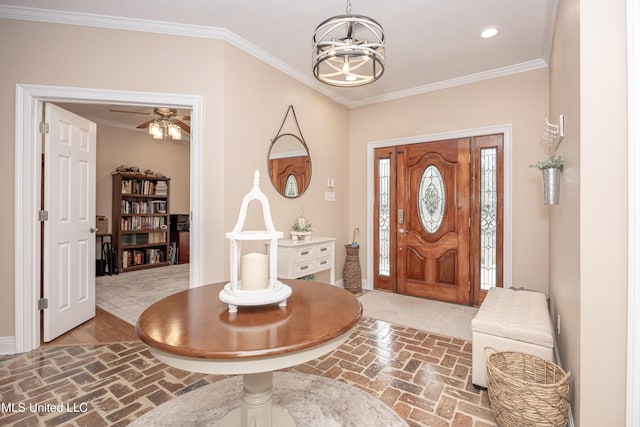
384 216
488 217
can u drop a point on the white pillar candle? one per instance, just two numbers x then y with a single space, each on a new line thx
254 271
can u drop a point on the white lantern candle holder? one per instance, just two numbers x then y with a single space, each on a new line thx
254 293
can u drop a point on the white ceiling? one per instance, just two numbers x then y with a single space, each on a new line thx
430 43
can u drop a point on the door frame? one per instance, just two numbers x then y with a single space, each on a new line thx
506 130
633 250
27 190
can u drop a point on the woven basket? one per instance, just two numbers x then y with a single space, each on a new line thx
526 390
351 273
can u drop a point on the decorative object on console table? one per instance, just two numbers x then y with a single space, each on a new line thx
301 229
140 215
253 289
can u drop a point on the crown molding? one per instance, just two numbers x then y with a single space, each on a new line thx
161 27
458 81
191 30
112 22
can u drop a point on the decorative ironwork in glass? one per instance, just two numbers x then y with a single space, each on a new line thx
291 187
384 215
431 199
488 217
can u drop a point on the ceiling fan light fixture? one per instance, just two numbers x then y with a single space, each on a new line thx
348 50
174 131
155 130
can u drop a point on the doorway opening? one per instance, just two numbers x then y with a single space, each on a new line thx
29 109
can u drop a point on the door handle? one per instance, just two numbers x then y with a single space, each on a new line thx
401 230
92 229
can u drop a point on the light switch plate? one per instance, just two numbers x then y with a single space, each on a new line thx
330 196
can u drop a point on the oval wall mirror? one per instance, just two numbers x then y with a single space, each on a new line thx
289 165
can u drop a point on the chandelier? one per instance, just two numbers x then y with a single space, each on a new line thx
348 50
164 128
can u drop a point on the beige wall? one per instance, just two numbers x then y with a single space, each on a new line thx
564 227
42 53
588 243
521 100
117 146
240 116
256 101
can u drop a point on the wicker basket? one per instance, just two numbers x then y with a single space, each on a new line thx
526 390
351 273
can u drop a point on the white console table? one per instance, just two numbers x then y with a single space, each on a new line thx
299 258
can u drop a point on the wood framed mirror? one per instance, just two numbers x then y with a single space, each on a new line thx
289 164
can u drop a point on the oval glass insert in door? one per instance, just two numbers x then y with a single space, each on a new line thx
431 199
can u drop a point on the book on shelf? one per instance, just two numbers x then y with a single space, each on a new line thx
145 187
137 257
161 188
142 207
140 223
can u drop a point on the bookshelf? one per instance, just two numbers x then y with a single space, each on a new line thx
140 215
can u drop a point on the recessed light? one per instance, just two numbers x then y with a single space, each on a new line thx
489 32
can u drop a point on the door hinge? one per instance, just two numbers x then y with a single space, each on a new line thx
469 285
43 304
44 127
43 215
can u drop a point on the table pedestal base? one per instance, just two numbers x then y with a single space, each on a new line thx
257 408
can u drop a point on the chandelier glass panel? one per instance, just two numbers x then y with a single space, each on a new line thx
348 50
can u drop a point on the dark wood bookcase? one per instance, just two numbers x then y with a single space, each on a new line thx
140 215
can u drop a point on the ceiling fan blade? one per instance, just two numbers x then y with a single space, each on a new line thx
187 118
184 126
131 112
144 125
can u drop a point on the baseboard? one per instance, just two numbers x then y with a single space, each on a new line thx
556 355
7 345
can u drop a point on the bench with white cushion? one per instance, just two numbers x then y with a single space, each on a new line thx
510 320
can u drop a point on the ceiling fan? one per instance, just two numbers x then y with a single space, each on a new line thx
166 122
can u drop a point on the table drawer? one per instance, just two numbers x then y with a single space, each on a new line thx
303 254
323 250
303 269
323 263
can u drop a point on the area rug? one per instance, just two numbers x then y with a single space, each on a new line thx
443 318
311 400
127 295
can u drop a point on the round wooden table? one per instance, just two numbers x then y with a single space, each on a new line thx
193 330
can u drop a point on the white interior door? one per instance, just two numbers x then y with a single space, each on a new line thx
69 233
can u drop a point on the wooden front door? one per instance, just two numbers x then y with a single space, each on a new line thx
427 217
433 220
438 218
